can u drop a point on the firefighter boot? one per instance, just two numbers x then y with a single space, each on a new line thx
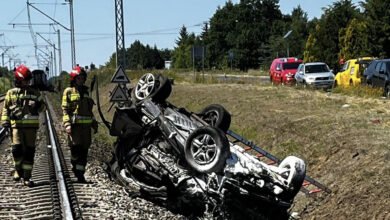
27 178
79 175
17 153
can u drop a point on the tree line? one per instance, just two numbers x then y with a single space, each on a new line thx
251 33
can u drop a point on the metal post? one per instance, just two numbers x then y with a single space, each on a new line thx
120 35
73 52
51 71
55 61
288 50
59 53
193 60
2 58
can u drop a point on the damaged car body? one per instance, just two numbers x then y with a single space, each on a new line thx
185 161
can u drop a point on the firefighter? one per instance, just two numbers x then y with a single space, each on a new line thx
78 120
20 115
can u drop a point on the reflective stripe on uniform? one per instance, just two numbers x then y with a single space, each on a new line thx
83 121
74 97
4 118
80 167
27 166
25 121
64 101
28 97
65 118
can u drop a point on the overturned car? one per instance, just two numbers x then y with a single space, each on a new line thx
185 161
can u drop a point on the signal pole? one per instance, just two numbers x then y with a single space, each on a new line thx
72 33
120 36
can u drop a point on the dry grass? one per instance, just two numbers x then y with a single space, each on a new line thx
343 139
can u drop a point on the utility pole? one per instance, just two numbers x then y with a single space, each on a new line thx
120 35
72 39
73 47
53 70
59 53
5 48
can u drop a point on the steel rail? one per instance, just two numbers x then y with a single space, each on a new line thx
2 97
67 212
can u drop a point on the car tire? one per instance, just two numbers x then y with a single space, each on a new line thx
294 176
335 84
387 91
304 84
216 116
207 149
154 86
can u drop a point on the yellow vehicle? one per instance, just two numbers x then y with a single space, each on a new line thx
351 73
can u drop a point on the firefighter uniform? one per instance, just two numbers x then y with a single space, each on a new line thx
21 112
77 112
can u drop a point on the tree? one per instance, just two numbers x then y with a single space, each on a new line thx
324 42
182 53
299 34
377 13
354 40
244 30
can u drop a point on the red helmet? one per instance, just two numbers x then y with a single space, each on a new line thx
77 71
22 73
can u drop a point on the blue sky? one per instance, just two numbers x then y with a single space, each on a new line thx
150 21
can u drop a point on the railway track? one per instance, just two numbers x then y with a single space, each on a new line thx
2 96
57 194
52 196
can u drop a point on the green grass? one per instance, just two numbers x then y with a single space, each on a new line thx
360 91
5 84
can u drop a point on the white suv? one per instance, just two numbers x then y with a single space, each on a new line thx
317 75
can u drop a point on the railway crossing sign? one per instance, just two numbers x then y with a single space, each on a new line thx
118 95
120 76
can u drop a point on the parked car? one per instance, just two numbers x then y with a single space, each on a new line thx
316 75
282 70
185 160
351 74
378 75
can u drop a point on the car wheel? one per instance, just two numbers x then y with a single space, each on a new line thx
387 91
304 84
207 149
152 86
294 174
216 116
335 84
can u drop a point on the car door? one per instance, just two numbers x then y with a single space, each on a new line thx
375 76
299 74
278 72
382 76
345 74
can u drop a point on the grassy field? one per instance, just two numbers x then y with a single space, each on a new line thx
344 138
